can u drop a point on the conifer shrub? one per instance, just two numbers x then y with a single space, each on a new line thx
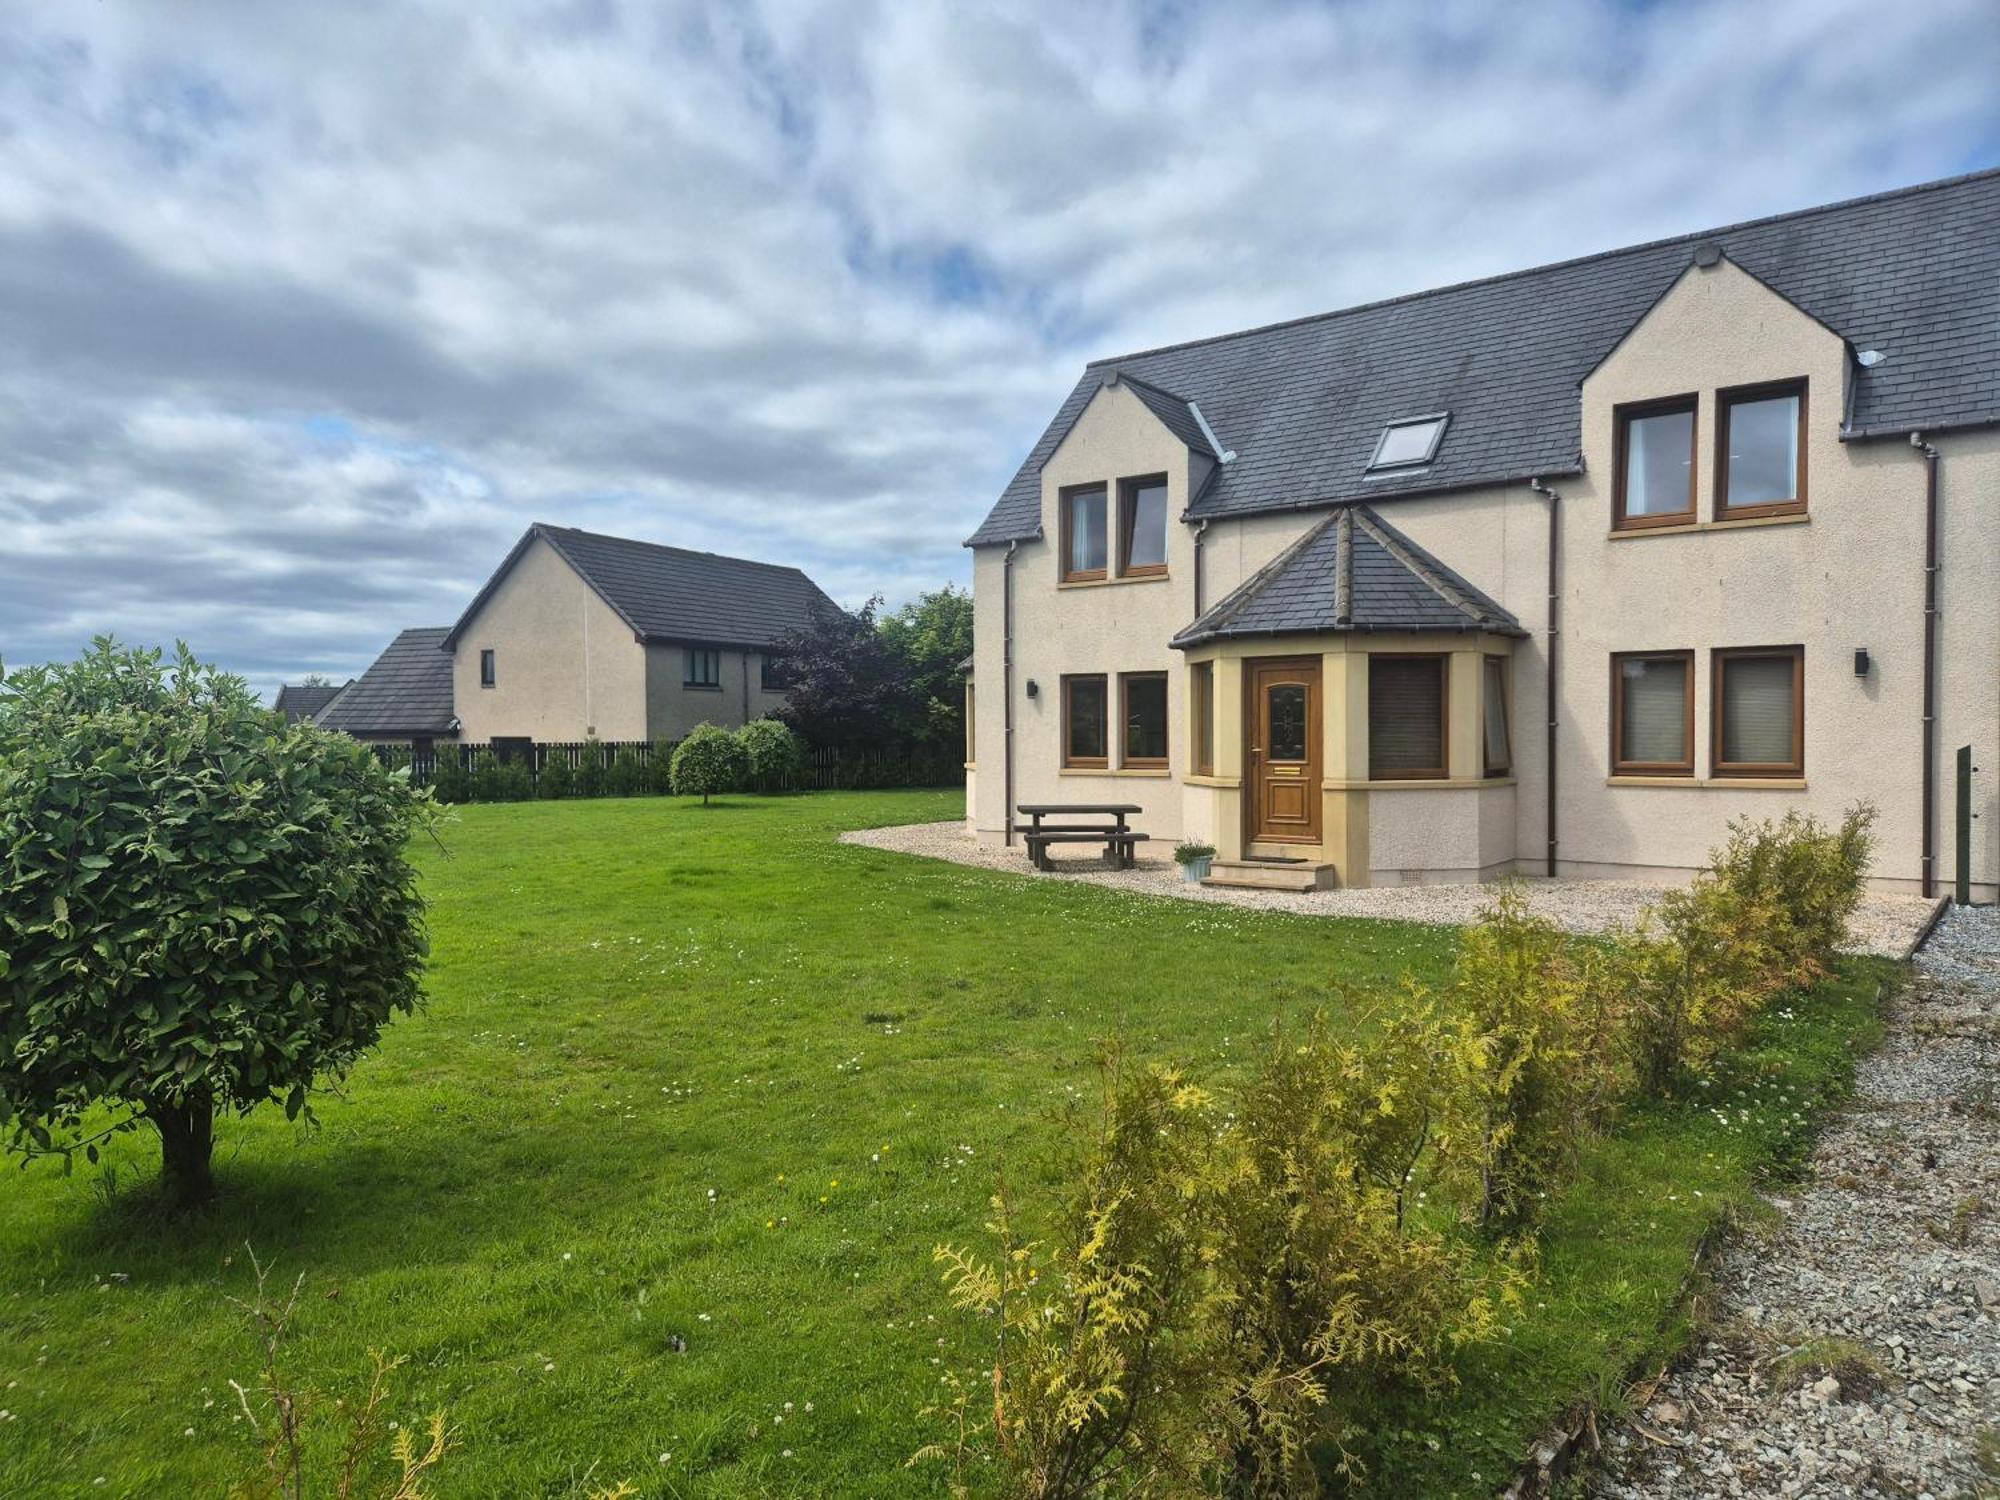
590 769
449 781
625 777
557 779
660 767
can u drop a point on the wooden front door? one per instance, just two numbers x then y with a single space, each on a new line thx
1282 736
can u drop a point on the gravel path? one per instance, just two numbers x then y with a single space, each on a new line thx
1885 925
1856 1350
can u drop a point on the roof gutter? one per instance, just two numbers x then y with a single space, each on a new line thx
1929 455
1936 429
1555 631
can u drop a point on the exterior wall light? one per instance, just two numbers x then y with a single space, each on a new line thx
1860 661
1034 688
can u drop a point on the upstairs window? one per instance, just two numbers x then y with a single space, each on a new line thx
1410 443
1144 710
1653 478
1142 526
1760 712
489 671
1760 467
1083 534
1406 709
1652 713
1084 714
702 668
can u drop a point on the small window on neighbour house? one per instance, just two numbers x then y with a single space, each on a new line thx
1653 476
1759 712
1406 717
1084 543
1143 711
1201 709
703 668
1760 451
1410 443
772 675
1142 526
1652 713
488 668
1084 728
1495 743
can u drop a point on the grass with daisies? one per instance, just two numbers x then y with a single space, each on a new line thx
648 1193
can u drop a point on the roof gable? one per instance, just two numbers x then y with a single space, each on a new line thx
1352 572
407 690
1914 273
669 593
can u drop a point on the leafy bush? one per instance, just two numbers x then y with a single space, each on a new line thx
449 782
485 776
590 769
557 780
772 755
660 767
625 777
1808 878
201 907
709 760
1187 852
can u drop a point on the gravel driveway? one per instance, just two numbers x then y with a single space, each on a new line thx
1886 925
1856 1349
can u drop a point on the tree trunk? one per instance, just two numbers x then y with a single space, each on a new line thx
187 1140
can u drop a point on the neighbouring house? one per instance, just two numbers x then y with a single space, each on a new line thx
302 700
578 635
1555 572
404 698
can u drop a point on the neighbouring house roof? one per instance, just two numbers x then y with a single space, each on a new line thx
1352 572
301 701
669 593
1914 274
406 691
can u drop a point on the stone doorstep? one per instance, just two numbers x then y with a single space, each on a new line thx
1261 875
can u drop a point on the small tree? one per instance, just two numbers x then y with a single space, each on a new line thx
848 688
557 780
201 907
709 760
931 637
772 755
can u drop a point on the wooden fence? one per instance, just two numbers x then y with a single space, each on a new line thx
823 770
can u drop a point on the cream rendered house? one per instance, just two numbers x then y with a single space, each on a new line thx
1552 573
579 635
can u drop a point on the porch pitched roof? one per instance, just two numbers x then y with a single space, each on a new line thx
1352 572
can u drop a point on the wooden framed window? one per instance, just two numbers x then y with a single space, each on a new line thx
1407 707
701 668
1085 708
1142 527
1084 543
1653 464
1760 451
1652 713
489 669
1201 716
1759 712
1142 711
1495 742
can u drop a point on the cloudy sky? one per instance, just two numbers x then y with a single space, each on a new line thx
306 311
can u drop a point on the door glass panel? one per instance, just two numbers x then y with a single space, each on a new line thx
1286 703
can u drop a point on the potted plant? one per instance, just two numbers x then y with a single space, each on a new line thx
1194 860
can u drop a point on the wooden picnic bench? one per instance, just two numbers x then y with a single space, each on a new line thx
1120 842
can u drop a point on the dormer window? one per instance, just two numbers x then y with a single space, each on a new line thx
1409 444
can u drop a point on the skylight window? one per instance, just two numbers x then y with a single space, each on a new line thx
1410 443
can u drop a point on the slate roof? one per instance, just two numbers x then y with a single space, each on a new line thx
1176 411
406 691
301 701
671 594
1913 273
1352 572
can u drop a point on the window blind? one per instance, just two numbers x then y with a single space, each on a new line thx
1654 722
1757 711
1405 714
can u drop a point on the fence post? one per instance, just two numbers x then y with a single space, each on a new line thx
1963 892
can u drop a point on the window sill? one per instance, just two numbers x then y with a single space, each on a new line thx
701 687
1226 783
1715 783
1738 523
1418 784
1158 775
1107 583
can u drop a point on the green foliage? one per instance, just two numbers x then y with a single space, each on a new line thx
626 776
557 779
449 781
709 760
930 637
590 769
660 767
485 778
772 755
1188 853
201 907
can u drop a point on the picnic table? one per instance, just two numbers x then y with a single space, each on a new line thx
1120 842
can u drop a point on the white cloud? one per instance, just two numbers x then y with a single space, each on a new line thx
309 310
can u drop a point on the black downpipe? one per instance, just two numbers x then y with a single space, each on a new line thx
1930 457
1200 531
1555 631
1007 688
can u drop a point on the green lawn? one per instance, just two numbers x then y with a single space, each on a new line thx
663 1162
